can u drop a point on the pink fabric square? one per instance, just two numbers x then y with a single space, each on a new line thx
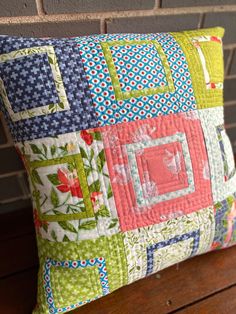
117 137
158 157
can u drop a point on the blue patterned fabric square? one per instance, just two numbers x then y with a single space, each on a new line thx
29 82
76 113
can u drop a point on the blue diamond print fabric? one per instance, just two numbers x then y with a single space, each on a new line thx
138 66
175 92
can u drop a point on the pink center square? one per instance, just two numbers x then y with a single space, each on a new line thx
163 165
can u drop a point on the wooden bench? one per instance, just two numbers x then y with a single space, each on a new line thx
204 284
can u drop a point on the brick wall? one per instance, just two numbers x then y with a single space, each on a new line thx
61 18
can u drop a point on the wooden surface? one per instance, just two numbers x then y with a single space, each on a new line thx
203 284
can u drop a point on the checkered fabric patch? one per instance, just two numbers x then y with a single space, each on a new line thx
129 164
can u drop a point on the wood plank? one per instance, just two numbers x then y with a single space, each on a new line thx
223 302
18 293
177 287
195 279
17 254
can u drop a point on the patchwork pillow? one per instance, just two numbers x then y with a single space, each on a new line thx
129 164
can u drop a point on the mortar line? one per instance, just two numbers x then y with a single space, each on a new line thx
230 46
6 145
6 132
230 103
23 186
228 63
116 14
102 26
201 20
40 7
232 76
157 4
11 174
13 199
230 125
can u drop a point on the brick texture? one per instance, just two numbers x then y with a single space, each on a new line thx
226 20
63 18
3 138
229 90
231 133
226 56
153 24
6 192
230 114
233 64
66 29
79 6
14 205
193 3
11 162
17 7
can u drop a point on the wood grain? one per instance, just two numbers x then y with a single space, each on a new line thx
18 293
223 302
172 289
195 279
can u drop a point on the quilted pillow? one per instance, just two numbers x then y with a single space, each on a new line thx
129 164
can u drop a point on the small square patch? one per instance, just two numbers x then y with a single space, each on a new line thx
57 99
71 187
29 82
129 74
174 177
150 249
75 265
162 155
194 235
60 189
